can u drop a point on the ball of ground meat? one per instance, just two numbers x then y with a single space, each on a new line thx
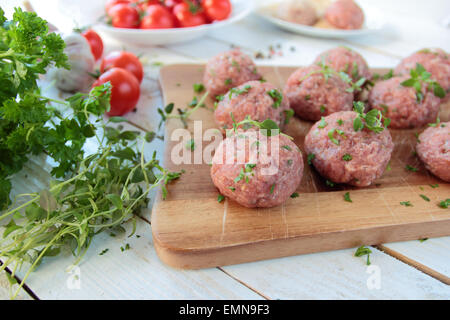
295 11
346 60
401 105
433 149
345 14
258 100
435 61
312 96
228 70
344 155
255 170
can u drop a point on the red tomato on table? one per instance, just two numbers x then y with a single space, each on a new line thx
158 17
125 90
111 3
189 16
125 60
124 16
95 42
217 9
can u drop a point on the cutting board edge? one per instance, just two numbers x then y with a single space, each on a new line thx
186 258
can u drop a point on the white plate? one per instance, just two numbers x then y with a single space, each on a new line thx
373 22
241 8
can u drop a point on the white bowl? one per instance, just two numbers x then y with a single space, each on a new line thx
373 22
241 8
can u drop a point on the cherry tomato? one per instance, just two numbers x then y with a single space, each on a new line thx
217 9
144 4
95 42
124 16
171 3
125 60
158 17
111 3
185 16
125 90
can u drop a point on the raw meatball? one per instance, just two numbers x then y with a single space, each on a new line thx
248 171
81 62
345 14
297 11
312 96
400 103
228 70
435 61
258 100
361 156
346 60
434 150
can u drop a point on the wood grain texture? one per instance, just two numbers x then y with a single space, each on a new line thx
206 233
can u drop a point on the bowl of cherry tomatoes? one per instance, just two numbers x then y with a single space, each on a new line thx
159 22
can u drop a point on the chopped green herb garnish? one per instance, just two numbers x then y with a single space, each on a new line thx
444 204
411 168
127 247
288 115
424 197
272 188
340 122
295 195
347 157
347 197
322 109
307 97
190 145
434 185
287 148
329 183
310 158
232 189
322 124
436 124
362 251
220 198
406 203
228 81
332 138
423 240
276 96
199 87
103 252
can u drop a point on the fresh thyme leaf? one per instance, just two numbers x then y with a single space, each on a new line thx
276 96
288 115
406 203
228 82
421 80
424 197
190 145
322 124
310 158
332 138
220 198
272 188
444 204
347 157
103 252
362 251
347 197
198 87
411 168
434 185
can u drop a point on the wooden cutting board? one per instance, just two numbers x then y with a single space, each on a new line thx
192 230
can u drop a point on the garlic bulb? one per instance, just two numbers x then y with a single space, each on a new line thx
81 62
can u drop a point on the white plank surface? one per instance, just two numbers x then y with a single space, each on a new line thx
137 273
338 275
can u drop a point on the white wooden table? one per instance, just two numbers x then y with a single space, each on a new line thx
405 270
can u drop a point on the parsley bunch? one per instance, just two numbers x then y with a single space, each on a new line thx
421 78
26 50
